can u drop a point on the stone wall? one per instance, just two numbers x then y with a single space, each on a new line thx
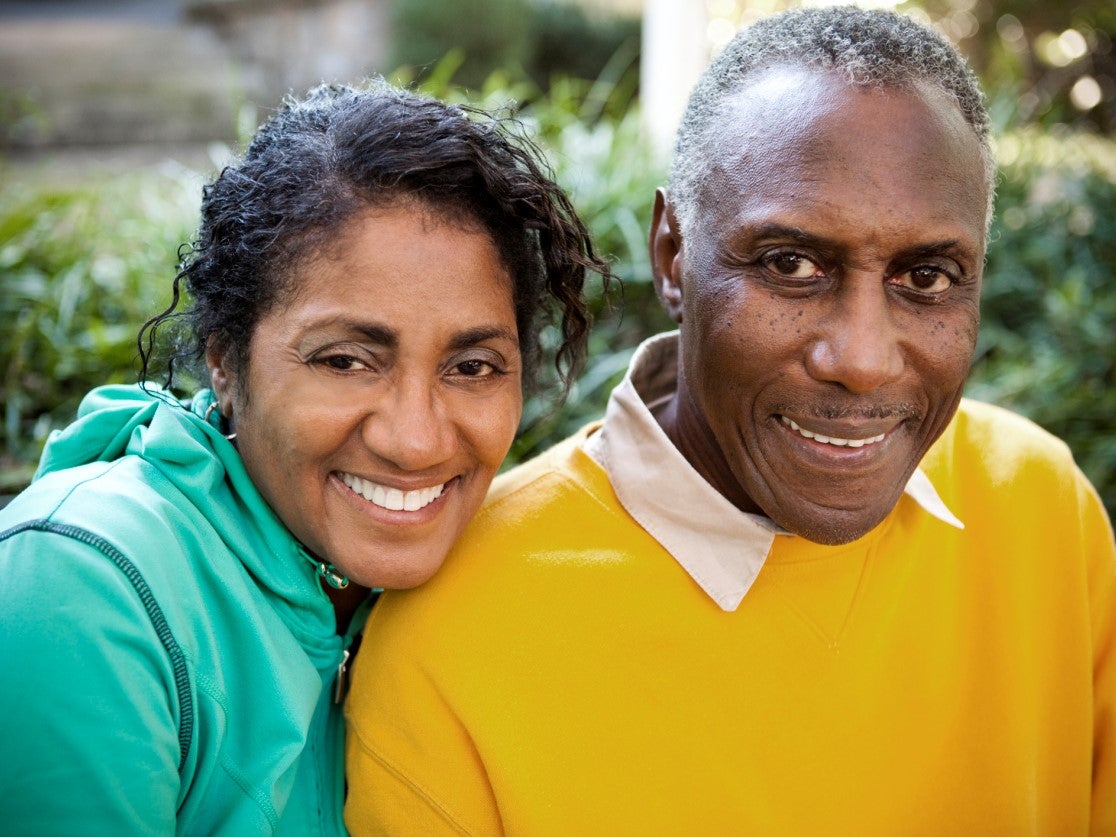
75 74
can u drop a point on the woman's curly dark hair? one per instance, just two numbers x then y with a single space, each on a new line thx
342 150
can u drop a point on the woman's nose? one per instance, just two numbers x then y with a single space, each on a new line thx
411 427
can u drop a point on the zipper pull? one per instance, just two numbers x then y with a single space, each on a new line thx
342 675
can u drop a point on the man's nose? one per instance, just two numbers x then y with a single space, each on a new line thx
859 342
410 427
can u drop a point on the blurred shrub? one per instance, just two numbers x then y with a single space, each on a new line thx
568 41
1041 52
488 33
544 38
611 175
1048 337
81 267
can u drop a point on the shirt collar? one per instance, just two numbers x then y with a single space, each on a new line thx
721 547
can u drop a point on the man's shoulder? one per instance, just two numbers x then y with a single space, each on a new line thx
547 484
991 438
992 462
555 513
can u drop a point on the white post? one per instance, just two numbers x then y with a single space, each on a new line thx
675 51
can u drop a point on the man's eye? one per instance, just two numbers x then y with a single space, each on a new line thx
791 265
927 280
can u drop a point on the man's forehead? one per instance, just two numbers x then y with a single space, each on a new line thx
795 142
789 121
781 102
779 86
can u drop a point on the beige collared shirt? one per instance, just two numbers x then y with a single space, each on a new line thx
721 547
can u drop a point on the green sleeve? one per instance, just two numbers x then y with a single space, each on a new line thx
88 715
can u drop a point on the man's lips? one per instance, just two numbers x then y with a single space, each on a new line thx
828 439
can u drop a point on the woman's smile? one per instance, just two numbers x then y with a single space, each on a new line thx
389 497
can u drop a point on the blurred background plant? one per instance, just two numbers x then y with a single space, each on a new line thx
82 265
1048 335
83 262
540 38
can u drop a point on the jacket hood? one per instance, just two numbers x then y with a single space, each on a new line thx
173 436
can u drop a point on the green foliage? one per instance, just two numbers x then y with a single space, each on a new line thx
569 42
544 39
489 34
20 117
1009 44
1048 337
81 267
611 175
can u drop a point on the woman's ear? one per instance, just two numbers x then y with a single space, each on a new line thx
222 380
665 247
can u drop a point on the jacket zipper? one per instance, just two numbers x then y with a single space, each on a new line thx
342 673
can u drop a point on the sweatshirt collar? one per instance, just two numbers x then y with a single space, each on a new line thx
721 547
192 455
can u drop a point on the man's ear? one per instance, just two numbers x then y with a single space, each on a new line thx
665 246
222 380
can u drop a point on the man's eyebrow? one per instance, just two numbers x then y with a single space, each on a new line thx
775 230
935 248
772 230
918 251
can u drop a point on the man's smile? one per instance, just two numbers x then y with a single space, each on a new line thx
831 440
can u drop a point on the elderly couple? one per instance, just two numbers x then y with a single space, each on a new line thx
791 584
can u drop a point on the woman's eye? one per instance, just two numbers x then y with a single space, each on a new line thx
343 363
926 280
474 368
791 265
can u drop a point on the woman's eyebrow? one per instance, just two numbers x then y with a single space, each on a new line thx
373 332
473 336
387 337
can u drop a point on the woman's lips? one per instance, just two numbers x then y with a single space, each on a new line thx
392 499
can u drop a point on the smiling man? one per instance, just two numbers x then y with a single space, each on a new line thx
793 584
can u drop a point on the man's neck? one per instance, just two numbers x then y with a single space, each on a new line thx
684 425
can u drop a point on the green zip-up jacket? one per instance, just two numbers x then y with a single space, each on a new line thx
169 657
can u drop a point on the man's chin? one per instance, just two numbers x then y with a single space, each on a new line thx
833 527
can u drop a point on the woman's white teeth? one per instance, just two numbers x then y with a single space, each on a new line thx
393 498
832 440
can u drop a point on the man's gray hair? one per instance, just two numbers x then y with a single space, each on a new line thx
871 48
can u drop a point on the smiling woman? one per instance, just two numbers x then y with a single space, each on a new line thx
183 581
380 402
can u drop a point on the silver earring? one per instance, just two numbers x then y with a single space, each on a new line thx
209 411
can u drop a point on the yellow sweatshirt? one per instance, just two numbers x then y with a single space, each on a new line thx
563 675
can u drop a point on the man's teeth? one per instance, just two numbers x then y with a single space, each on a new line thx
832 440
393 498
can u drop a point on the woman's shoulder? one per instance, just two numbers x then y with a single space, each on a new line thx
105 499
121 519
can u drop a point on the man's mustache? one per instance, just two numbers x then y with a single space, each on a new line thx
858 410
